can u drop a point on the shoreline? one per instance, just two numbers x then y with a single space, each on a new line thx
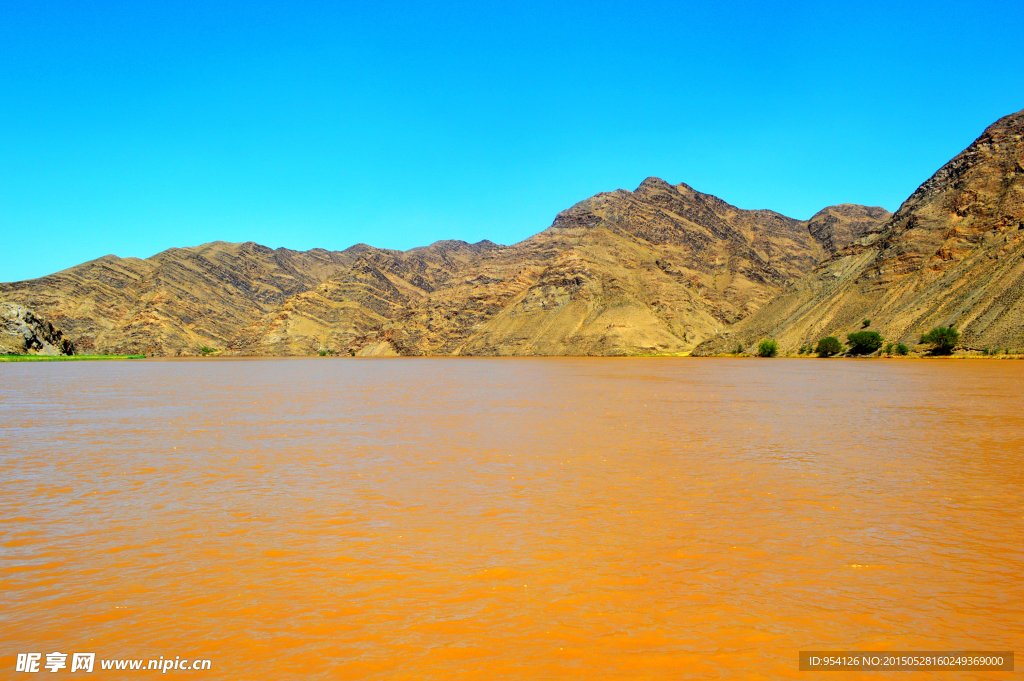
192 358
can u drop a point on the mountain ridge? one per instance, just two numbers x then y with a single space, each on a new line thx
584 285
662 269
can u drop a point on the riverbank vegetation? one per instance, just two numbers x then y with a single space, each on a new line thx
767 348
864 342
941 341
828 346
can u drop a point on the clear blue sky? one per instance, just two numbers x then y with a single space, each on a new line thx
132 127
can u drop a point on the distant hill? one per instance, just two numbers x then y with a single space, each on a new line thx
657 270
952 255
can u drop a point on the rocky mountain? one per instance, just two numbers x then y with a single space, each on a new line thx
338 314
24 333
656 270
838 226
176 301
952 255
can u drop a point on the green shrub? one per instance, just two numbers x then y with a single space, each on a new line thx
205 350
767 348
738 350
828 346
864 342
865 323
352 352
985 351
888 348
322 353
901 349
942 339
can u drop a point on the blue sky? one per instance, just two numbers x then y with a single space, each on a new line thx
128 128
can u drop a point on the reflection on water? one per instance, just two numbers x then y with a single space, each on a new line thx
511 519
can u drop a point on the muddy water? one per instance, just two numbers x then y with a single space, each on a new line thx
510 519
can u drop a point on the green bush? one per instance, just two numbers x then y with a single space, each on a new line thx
865 323
205 350
888 348
864 342
942 339
985 351
828 346
738 350
322 353
767 348
901 349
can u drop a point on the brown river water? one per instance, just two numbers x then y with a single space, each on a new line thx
510 518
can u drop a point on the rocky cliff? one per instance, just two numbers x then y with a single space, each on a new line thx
952 255
24 333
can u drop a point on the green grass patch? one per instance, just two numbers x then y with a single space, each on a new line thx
64 358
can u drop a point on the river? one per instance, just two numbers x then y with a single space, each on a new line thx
583 518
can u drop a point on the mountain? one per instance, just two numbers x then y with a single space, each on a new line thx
950 256
658 269
662 269
176 301
336 314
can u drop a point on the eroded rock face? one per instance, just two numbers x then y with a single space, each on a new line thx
952 255
23 333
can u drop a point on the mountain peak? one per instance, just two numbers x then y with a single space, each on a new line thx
998 149
653 183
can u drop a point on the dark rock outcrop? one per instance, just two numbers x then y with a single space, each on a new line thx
24 333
